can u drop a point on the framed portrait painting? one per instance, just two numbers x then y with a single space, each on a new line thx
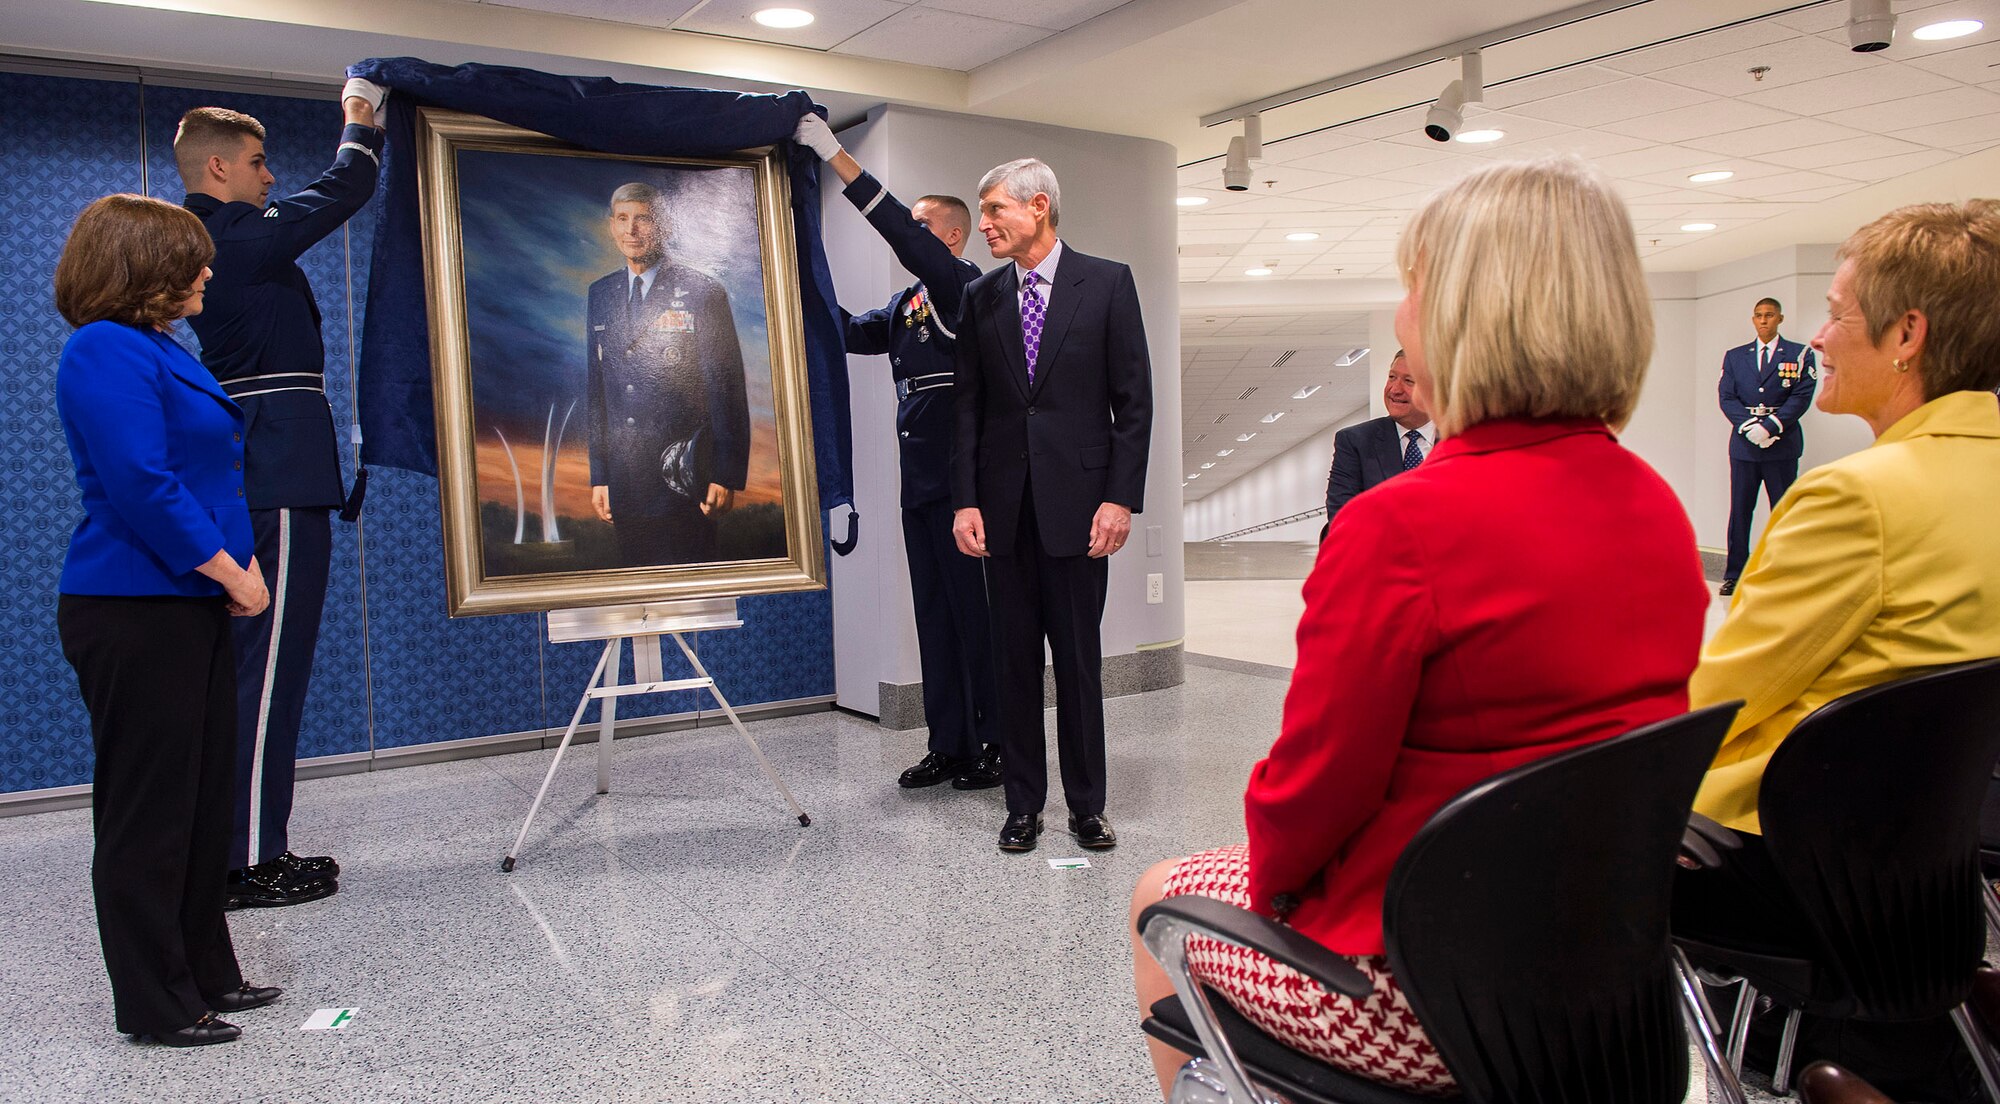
619 373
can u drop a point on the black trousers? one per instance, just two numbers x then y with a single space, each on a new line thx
274 658
157 677
954 633
1037 597
1745 476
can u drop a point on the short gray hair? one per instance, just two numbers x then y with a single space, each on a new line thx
1022 179
634 192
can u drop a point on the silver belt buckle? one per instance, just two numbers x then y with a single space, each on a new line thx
902 389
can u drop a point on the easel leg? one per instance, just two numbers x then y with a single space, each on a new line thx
607 717
507 864
730 711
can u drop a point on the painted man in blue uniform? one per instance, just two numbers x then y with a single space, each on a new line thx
947 587
669 421
1766 388
260 336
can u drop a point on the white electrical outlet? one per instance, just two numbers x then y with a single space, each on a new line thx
1156 589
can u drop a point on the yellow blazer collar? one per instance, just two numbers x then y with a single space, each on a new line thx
1959 414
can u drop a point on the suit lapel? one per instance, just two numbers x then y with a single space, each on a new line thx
1061 309
189 371
1392 450
1005 312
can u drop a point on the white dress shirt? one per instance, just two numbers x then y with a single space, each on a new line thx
1046 270
1426 438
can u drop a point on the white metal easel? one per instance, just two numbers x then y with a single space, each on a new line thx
644 626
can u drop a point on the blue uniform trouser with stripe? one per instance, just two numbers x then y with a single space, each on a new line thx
954 641
274 657
1745 478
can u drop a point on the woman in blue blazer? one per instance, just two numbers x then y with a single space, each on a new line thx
155 569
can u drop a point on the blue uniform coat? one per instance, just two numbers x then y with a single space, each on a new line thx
159 458
1784 390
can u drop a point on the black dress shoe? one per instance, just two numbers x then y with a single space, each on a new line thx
262 887
304 868
982 773
203 1032
929 771
1728 588
1020 832
1093 831
245 997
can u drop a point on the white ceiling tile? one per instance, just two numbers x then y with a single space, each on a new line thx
1970 64
645 13
1053 15
1815 19
1588 144
1190 250
1276 205
1985 128
835 23
1654 159
1225 221
1817 195
1545 86
1367 158
1842 91
1938 107
1781 184
1368 191
1868 147
1777 138
946 39
1382 126
1697 120
1278 179
1788 62
1888 167
1698 48
1305 145
1625 99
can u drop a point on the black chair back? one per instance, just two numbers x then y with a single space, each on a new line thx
1533 946
1871 809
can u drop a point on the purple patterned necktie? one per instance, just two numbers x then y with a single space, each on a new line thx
1031 320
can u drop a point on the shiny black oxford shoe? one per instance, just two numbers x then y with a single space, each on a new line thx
1093 832
1020 832
246 997
265 886
982 773
932 769
304 868
206 1031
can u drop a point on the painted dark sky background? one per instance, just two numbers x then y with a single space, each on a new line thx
534 240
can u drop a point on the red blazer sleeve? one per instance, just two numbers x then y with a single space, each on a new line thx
1370 621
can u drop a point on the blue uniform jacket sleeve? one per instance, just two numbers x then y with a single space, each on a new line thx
916 248
298 222
728 402
600 468
1733 406
1800 395
868 334
110 393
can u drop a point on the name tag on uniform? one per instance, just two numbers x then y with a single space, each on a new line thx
675 321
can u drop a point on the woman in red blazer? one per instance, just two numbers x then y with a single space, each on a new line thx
1533 587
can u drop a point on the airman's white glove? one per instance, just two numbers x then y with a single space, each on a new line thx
815 135
1759 436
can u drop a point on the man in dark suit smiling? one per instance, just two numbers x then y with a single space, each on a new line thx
1379 449
1055 416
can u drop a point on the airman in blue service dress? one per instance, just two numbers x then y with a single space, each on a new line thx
948 588
260 337
1768 388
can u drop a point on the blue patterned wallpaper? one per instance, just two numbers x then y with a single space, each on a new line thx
431 678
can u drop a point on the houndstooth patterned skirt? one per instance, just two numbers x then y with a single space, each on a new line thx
1377 1038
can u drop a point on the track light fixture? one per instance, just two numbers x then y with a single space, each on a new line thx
1236 167
1871 26
1447 115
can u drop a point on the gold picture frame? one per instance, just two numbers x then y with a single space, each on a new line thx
517 227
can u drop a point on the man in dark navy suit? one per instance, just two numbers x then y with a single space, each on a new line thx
1055 419
1766 387
260 337
669 420
918 329
1380 449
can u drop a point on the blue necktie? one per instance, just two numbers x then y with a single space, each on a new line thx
1764 360
1412 456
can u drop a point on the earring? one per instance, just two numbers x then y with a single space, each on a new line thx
1900 366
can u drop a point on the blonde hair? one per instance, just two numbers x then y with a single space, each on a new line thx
1534 304
1942 259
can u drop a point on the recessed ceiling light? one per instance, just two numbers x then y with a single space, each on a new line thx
784 19
1190 201
1351 357
1225 452
1950 28
1307 392
1475 137
1303 235
1711 176
1269 418
1208 465
1259 271
1194 475
1697 227
1242 437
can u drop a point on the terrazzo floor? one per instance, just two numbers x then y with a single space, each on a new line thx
680 938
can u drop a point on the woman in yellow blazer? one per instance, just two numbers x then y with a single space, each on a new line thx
1880 563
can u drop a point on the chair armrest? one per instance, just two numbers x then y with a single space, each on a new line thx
1244 928
1704 840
